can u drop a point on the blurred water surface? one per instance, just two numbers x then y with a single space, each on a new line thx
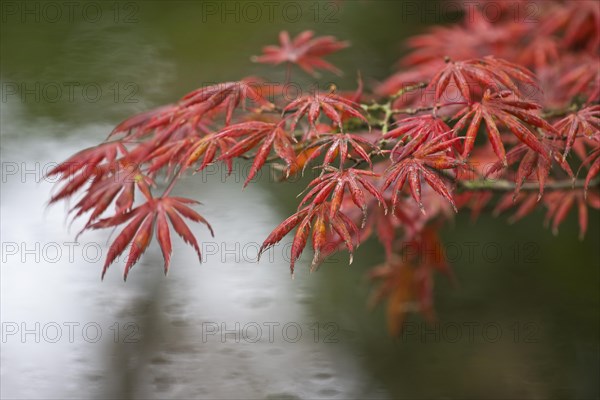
177 337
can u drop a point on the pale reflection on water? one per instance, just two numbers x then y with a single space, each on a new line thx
160 337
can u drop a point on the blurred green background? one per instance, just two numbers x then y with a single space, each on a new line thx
542 291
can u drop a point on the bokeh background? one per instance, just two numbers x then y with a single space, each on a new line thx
522 322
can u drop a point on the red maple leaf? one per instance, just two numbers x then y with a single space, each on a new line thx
579 23
594 169
141 222
271 134
84 162
498 107
525 203
323 225
117 181
488 73
228 95
559 203
582 78
533 163
378 223
585 122
303 51
337 145
185 152
421 163
336 183
414 131
407 281
191 113
540 53
332 105
145 123
105 178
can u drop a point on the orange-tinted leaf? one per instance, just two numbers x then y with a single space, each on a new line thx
323 226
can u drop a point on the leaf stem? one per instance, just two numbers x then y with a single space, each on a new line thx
172 183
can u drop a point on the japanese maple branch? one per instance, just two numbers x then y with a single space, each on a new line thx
387 107
501 185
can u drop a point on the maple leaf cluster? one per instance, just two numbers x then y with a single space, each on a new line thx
507 119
